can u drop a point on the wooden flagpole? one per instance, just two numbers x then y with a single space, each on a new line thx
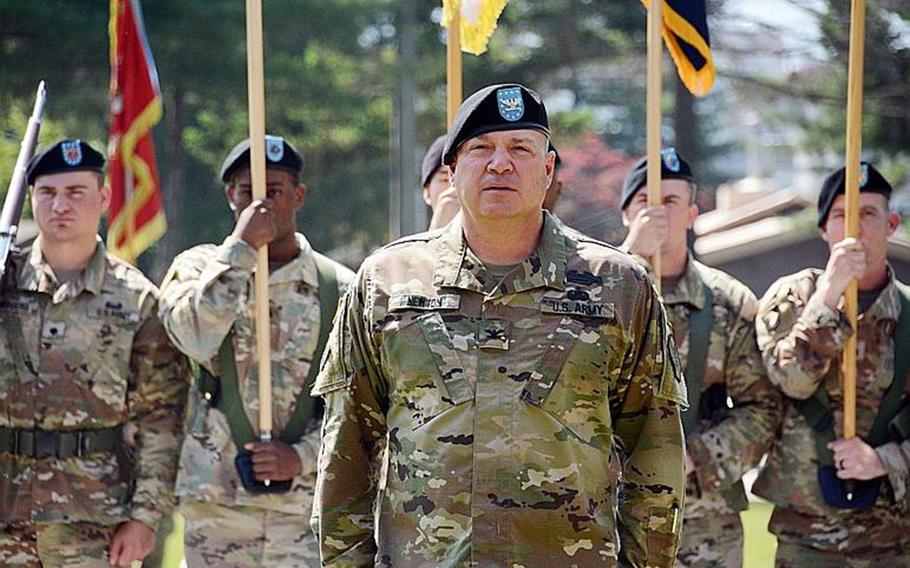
453 68
655 90
854 151
256 92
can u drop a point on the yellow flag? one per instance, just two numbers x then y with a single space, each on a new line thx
478 20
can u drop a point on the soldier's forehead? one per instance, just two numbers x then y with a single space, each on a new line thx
67 179
522 135
866 199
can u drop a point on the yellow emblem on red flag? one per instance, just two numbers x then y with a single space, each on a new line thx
478 21
136 216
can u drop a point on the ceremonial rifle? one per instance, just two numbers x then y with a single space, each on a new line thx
15 195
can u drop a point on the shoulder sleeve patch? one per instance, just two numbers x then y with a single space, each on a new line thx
333 373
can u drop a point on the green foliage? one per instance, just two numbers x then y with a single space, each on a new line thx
332 71
760 545
13 124
886 118
331 74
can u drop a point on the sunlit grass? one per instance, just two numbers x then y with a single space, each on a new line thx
760 544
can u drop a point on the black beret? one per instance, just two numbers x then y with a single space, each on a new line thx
279 154
870 181
65 156
672 166
496 108
432 160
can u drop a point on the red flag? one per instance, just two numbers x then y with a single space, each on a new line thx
136 216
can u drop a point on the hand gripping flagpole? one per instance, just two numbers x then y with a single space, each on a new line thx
655 89
453 67
256 92
854 150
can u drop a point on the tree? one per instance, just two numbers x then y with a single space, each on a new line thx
813 95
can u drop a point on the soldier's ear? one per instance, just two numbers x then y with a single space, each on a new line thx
105 192
550 167
626 218
300 193
229 192
693 214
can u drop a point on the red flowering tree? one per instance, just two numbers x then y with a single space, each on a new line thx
592 175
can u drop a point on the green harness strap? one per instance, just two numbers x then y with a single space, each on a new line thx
893 415
700 324
306 408
893 418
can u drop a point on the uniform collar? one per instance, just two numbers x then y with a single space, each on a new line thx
37 275
301 267
690 289
888 304
458 267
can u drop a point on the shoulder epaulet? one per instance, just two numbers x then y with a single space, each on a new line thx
204 250
423 237
595 242
786 284
579 237
126 271
134 279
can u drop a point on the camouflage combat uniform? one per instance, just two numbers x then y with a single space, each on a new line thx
727 442
800 341
500 404
207 291
97 357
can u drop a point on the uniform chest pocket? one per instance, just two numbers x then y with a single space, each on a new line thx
430 374
570 382
109 337
105 341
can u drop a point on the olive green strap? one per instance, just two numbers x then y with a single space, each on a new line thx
230 402
227 398
893 410
894 398
308 407
817 411
700 324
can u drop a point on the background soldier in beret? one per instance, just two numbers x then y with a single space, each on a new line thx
438 193
82 352
503 359
713 320
802 330
207 307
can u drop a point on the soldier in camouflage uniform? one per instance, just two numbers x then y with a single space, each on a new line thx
500 360
802 330
713 320
207 295
82 353
438 193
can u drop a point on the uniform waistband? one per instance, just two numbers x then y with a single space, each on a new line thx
41 444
